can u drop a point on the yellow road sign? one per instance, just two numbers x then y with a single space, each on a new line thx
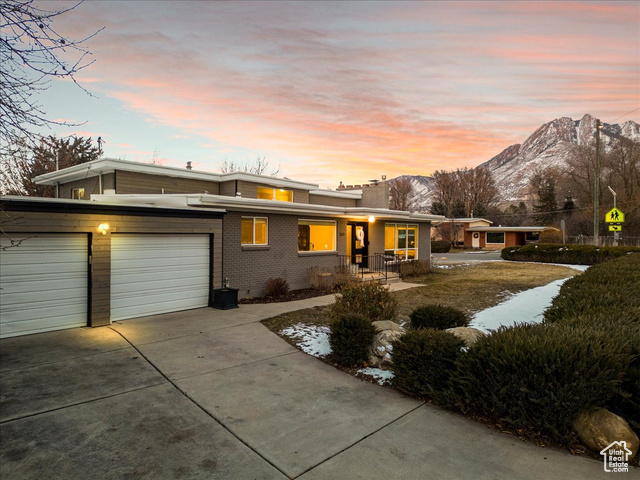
615 228
614 216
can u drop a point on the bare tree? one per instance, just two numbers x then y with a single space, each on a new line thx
259 166
32 52
401 192
464 192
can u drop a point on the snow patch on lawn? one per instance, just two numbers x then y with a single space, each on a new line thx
379 375
524 307
311 339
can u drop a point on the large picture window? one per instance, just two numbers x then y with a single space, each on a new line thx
268 193
495 237
401 240
254 231
316 235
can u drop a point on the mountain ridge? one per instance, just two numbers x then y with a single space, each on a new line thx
550 145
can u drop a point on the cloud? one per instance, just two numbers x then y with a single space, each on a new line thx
359 87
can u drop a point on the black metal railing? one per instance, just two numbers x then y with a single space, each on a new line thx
380 264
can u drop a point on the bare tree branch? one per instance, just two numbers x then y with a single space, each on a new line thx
32 52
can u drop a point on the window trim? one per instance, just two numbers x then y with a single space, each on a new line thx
253 231
335 237
486 238
273 193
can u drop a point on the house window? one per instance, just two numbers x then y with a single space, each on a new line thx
254 231
77 193
495 237
316 235
268 193
401 240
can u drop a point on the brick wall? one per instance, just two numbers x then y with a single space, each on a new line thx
375 196
249 267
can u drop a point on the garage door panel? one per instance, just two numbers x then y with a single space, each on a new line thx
31 326
51 313
44 284
16 300
153 274
150 281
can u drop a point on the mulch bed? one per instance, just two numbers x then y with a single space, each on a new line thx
301 294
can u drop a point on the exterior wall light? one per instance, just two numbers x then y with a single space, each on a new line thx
103 228
372 219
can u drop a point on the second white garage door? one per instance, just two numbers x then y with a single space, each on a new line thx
152 274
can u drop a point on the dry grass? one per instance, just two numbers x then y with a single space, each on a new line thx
470 287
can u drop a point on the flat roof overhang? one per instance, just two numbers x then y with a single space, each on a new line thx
227 203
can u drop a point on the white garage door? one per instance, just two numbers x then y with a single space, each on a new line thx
153 274
43 284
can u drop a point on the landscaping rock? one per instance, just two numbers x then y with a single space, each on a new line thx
381 349
600 428
383 325
468 335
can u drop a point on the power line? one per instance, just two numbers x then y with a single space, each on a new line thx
634 110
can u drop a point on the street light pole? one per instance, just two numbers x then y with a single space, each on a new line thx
596 193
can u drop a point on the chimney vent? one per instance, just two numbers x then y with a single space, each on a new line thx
188 165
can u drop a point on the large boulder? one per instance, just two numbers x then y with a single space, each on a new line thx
381 349
468 335
597 429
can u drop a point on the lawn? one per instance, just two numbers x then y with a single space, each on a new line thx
470 287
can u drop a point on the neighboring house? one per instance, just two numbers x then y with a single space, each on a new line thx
479 234
130 239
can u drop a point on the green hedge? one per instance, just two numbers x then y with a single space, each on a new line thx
440 246
585 354
369 299
606 298
423 361
609 289
350 339
569 254
439 317
541 377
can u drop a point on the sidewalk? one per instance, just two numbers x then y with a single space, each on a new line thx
214 394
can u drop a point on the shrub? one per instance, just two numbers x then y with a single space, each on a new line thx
438 317
540 377
369 299
551 236
414 268
440 246
423 361
276 287
571 254
611 289
350 339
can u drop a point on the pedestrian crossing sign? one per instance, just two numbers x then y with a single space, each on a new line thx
614 216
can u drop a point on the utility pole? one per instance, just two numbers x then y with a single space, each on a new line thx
616 234
596 192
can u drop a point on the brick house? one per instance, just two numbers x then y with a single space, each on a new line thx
478 233
126 239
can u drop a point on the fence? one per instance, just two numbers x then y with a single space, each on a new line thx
605 241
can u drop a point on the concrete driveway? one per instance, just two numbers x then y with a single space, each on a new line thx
214 394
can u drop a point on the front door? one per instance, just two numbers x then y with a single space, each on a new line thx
475 240
360 244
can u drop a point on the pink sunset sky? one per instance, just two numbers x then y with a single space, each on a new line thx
343 91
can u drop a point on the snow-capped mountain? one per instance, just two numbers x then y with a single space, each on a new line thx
549 146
